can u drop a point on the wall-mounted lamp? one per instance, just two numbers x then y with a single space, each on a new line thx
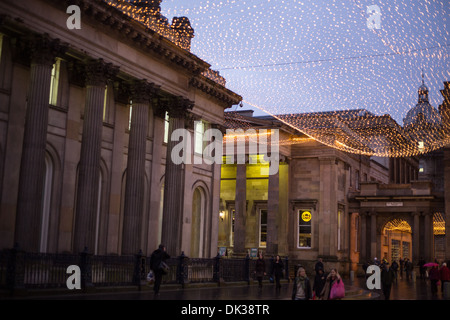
222 215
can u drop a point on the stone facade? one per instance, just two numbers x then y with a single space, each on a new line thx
83 118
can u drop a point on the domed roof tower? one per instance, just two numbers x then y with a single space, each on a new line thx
423 110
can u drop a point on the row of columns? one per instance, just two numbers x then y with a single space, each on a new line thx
241 212
422 237
98 73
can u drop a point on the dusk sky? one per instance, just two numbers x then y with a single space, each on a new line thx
291 56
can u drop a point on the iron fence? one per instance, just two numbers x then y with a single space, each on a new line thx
24 270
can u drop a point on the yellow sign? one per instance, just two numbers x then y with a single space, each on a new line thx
306 216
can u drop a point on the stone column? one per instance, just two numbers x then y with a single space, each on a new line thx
363 250
97 74
272 213
416 236
428 235
240 203
135 179
43 51
447 197
373 235
178 109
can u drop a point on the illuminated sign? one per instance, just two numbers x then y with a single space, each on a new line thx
306 216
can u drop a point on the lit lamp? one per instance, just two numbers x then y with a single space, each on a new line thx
222 214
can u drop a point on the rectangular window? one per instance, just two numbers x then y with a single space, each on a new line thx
263 228
304 228
105 103
131 113
54 82
357 233
232 216
166 128
199 129
339 229
357 180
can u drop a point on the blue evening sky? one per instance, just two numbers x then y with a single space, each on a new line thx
292 56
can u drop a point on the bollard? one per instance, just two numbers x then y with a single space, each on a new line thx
352 275
413 276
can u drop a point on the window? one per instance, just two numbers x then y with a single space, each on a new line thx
199 129
263 228
357 180
46 203
304 228
105 104
232 216
131 113
357 233
54 82
339 222
166 128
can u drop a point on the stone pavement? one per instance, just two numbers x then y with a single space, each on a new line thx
403 290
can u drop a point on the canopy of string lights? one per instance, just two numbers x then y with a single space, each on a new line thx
366 77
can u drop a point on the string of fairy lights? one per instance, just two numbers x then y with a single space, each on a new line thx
334 70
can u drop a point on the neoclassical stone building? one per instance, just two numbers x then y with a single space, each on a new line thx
342 207
86 117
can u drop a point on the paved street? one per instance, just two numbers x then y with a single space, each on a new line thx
403 290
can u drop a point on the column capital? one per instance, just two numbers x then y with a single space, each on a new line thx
142 91
44 50
179 107
98 72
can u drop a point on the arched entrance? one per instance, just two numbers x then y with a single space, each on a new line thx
396 240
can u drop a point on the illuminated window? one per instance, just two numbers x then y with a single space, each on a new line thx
357 179
105 103
54 82
198 136
304 228
263 228
131 113
166 128
232 216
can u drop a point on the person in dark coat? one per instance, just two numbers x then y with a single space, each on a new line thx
444 274
422 269
319 265
387 278
434 278
394 267
302 286
319 283
260 269
158 256
332 278
277 269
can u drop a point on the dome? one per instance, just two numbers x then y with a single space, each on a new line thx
425 110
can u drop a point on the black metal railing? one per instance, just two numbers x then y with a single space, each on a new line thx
21 270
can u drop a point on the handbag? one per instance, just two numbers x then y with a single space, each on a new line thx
150 277
337 290
163 267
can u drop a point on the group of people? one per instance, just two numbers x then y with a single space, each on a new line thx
277 270
389 273
326 286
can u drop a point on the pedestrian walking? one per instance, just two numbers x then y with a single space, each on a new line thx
277 271
394 267
434 279
408 269
387 278
260 269
319 265
332 284
319 283
422 268
444 275
158 266
302 286
402 267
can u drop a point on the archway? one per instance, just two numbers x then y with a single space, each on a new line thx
396 240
